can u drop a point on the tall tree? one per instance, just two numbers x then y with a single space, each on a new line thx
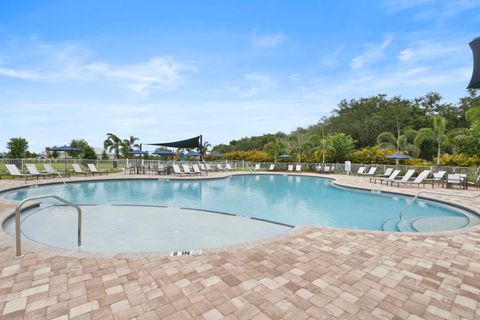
129 145
113 144
321 148
437 134
400 143
80 144
299 143
17 148
275 146
343 146
204 148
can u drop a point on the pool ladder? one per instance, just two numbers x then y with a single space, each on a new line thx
18 243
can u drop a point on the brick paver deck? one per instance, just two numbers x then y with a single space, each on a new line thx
311 273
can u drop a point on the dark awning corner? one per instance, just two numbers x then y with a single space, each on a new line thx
475 81
191 143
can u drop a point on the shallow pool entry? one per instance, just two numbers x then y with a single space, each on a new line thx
141 229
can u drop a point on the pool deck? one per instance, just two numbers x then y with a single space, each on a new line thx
309 273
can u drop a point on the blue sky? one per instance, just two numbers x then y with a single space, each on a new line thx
163 70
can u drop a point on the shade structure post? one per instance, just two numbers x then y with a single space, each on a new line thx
201 147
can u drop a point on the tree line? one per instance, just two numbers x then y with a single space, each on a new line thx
365 130
362 130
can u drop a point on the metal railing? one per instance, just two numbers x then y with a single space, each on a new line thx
61 164
410 203
18 243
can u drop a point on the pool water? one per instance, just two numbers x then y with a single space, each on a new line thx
288 199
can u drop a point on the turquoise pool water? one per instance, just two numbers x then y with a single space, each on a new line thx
293 200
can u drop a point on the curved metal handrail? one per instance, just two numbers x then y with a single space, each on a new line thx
410 203
18 243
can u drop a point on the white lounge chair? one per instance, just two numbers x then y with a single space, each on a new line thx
197 170
257 167
49 169
219 167
93 169
186 169
405 178
420 179
370 172
78 170
14 172
387 173
271 168
438 177
392 177
202 167
176 170
298 168
208 167
290 167
361 170
228 167
32 169
327 169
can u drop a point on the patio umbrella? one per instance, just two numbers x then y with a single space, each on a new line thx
216 155
285 156
164 153
64 149
192 154
398 157
138 152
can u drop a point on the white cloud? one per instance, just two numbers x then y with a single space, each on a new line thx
431 9
372 53
427 49
60 62
267 40
252 84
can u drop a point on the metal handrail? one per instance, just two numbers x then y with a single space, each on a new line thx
62 179
410 203
18 243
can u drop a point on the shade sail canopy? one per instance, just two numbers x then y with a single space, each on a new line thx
475 81
191 143
64 148
398 156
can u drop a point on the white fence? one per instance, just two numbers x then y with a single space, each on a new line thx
240 165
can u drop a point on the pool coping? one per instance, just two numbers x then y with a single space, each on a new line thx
37 247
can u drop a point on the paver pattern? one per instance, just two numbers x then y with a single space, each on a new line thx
310 273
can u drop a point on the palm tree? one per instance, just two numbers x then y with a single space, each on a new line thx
275 146
204 148
437 134
320 146
403 142
113 143
342 146
130 144
299 142
473 115
374 153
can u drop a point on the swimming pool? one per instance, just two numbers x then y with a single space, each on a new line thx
286 199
